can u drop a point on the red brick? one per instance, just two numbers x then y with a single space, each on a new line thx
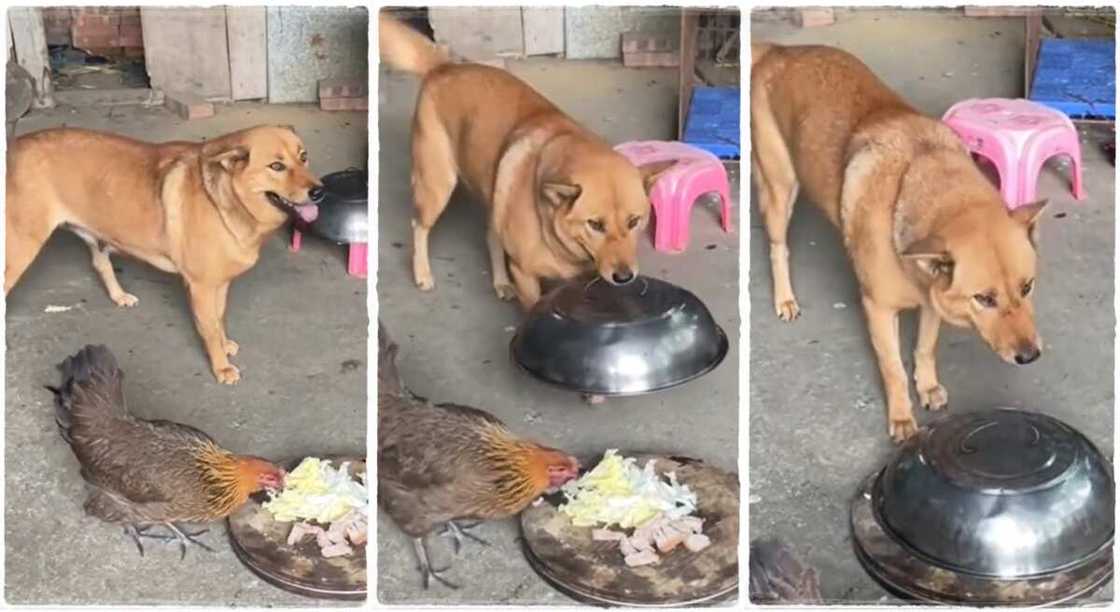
639 42
343 88
89 43
815 17
344 104
188 106
652 59
130 36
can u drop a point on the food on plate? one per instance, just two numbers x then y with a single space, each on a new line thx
658 509
317 494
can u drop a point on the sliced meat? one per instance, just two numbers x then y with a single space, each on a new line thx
626 547
336 550
697 542
689 524
669 538
645 557
300 530
357 532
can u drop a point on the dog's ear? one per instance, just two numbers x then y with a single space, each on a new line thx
931 257
232 159
561 195
1028 215
652 172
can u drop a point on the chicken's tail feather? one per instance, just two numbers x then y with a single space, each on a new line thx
388 377
90 388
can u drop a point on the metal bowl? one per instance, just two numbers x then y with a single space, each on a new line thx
998 507
343 213
596 338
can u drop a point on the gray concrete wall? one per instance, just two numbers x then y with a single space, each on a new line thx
595 32
306 44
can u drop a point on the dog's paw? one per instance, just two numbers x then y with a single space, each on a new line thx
125 299
231 347
228 375
594 400
902 428
787 310
934 398
425 283
505 291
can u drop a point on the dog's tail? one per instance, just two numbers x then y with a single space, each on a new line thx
403 48
759 50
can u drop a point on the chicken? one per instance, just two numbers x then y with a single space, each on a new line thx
779 577
147 473
441 463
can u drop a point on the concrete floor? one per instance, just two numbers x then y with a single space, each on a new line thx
454 341
298 318
817 416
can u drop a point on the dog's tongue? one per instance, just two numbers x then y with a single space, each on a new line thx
308 212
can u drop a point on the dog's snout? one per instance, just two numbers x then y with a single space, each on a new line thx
622 277
1027 355
316 194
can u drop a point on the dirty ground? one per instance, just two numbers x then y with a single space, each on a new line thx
302 325
454 340
817 414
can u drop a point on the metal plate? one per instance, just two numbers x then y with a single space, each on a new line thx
907 575
591 337
594 572
261 544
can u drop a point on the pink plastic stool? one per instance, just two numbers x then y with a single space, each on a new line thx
357 259
697 172
1017 136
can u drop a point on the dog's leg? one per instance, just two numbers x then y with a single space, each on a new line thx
104 267
231 347
931 394
502 285
882 323
528 286
433 179
23 240
777 192
204 307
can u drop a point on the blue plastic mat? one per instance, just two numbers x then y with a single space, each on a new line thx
713 121
1077 77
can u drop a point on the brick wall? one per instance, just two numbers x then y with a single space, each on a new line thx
106 30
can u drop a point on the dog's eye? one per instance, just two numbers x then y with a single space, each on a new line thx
597 225
277 166
633 222
1027 286
985 300
303 156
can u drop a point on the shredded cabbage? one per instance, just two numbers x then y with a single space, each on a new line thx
617 492
316 491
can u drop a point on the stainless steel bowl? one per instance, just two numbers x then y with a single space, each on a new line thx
999 507
343 213
596 338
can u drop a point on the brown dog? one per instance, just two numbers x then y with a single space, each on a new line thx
922 225
560 199
200 210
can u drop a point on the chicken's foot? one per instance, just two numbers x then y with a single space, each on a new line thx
185 538
426 568
457 532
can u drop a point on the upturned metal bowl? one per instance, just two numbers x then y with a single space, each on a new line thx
600 339
343 213
996 507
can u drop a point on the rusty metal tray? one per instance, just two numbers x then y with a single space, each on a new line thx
594 572
261 544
